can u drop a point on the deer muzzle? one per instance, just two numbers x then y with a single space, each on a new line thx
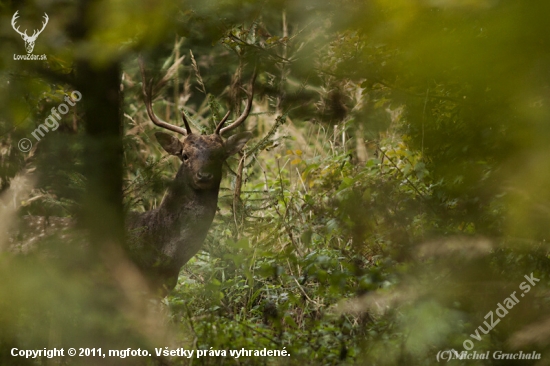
204 177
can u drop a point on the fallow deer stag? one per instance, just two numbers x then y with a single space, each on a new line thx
162 240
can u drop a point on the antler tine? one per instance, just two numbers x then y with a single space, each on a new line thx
187 127
149 106
220 125
247 109
13 20
45 22
36 32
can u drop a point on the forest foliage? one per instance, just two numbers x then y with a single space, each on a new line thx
394 193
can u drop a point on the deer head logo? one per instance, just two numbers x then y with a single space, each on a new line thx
29 40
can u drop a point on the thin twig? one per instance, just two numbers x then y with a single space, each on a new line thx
407 179
424 119
237 192
304 292
261 333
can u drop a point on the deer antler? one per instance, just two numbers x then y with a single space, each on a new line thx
149 106
187 127
35 34
220 125
24 34
246 111
13 19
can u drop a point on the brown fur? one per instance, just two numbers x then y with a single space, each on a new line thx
161 241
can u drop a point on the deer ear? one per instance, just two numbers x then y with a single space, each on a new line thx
169 143
235 143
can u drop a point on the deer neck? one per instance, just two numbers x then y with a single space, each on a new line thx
185 205
175 231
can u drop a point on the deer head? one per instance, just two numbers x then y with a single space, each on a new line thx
202 156
29 40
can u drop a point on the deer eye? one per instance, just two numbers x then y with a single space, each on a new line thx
185 157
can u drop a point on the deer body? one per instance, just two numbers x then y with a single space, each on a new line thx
162 240
167 237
